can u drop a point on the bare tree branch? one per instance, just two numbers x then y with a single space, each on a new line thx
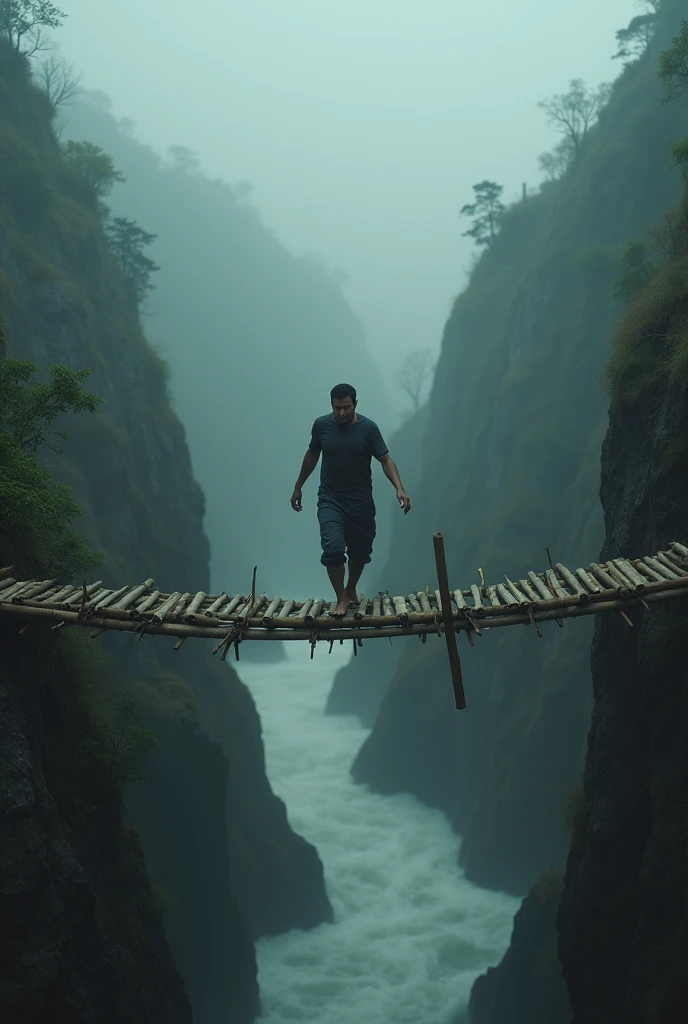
59 80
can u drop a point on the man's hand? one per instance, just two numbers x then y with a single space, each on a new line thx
296 500
404 500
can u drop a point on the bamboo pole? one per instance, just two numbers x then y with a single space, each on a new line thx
5 584
414 603
449 634
362 606
680 549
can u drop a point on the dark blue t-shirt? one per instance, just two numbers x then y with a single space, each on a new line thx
346 454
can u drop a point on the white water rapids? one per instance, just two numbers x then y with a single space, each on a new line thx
410 933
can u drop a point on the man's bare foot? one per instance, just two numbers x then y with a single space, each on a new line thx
341 609
352 596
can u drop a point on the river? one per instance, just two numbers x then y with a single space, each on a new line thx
410 933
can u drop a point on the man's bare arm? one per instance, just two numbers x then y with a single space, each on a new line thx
392 473
310 461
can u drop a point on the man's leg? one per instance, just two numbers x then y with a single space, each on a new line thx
336 574
359 535
332 539
355 570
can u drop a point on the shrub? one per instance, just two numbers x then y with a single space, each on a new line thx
36 511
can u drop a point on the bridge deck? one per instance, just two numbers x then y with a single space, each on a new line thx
557 593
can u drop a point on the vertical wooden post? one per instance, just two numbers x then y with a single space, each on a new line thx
448 620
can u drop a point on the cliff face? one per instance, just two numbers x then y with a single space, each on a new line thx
81 933
623 920
511 460
527 986
65 302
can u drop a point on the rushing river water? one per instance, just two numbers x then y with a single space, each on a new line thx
410 933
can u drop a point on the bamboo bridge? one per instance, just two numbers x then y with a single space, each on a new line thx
616 586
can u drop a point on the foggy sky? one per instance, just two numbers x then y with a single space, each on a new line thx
361 124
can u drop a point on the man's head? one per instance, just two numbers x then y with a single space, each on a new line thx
344 401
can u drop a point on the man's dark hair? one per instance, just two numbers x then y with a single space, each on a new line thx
340 391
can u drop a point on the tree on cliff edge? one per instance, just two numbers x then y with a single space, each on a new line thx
22 23
486 212
573 113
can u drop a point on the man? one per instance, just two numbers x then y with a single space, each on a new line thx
346 511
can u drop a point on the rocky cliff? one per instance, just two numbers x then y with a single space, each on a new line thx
511 462
623 918
65 301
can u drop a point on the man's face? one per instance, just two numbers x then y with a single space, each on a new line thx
344 410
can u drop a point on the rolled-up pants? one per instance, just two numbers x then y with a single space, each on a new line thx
345 529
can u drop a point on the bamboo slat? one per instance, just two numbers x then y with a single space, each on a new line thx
525 586
424 602
271 610
362 607
539 586
134 594
314 611
4 584
145 605
414 603
34 590
571 582
554 584
519 597
459 599
377 604
478 609
492 597
591 585
17 588
401 609
287 609
661 569
110 598
217 603
194 606
387 606
306 607
621 579
661 557
636 581
680 549
160 614
505 594
603 576
228 608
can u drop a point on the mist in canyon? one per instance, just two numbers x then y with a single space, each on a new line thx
313 182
